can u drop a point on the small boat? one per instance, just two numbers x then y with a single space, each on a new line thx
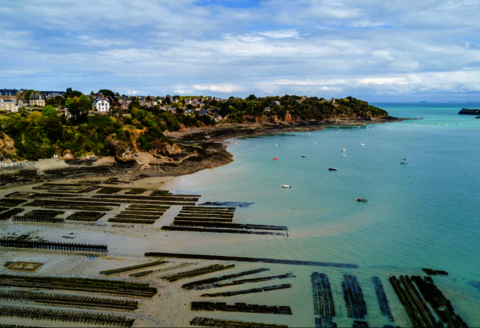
314 143
362 144
405 159
404 162
275 158
332 169
363 200
343 155
477 117
287 186
277 145
304 156
344 149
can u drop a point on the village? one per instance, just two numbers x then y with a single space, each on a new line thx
106 102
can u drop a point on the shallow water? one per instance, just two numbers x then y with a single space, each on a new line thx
424 214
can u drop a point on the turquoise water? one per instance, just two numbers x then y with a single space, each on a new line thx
424 214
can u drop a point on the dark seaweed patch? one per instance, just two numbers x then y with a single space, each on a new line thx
228 204
249 259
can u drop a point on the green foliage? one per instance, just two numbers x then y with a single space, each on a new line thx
107 93
68 102
85 100
78 110
27 94
49 111
72 93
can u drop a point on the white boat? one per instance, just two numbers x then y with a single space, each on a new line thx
405 159
287 186
277 145
344 149
404 162
304 156
362 144
314 143
343 155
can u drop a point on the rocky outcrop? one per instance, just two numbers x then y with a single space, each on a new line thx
67 155
7 148
123 152
160 147
466 111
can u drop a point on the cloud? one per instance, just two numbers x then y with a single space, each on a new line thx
369 49
222 88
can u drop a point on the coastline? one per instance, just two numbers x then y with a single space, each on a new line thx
202 148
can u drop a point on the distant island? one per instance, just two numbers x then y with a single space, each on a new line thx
467 111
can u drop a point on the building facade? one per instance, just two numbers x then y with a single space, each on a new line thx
8 105
8 94
37 99
102 105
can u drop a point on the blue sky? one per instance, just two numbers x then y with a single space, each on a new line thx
395 50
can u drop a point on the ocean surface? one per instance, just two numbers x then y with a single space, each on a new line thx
421 215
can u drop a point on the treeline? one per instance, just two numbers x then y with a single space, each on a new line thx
299 108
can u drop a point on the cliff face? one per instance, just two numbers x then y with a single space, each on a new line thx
7 148
290 119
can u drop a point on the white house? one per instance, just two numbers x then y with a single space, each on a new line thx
102 105
8 105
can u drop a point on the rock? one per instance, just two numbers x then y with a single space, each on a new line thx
467 111
7 148
123 153
67 154
160 147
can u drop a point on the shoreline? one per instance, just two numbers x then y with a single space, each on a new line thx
202 148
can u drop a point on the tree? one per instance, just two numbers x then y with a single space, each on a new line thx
72 93
86 101
76 99
69 102
107 93
78 109
27 94
54 129
49 111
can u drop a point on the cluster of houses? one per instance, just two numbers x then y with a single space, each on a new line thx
13 99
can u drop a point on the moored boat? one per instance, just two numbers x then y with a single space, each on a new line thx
363 200
332 169
404 162
287 186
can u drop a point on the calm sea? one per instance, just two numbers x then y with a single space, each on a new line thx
421 215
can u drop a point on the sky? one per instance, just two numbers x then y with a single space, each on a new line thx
377 50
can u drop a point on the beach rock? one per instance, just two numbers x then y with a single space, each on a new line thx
123 152
467 111
67 154
160 147
7 148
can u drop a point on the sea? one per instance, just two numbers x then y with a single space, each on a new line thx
424 214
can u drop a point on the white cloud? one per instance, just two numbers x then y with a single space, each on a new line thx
363 48
222 88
